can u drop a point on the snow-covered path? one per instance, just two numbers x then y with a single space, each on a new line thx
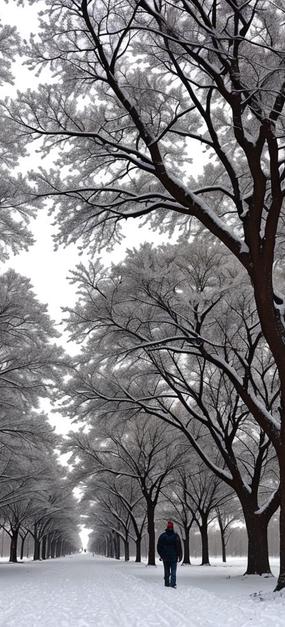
82 591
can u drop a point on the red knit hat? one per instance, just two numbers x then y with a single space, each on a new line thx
169 525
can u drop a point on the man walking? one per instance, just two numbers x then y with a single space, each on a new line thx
170 551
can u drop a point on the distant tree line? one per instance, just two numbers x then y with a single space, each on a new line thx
35 497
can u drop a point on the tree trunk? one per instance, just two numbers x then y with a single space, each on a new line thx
36 544
151 534
110 546
37 549
281 578
58 548
48 551
117 546
107 547
205 543
14 544
223 537
23 538
52 548
44 547
186 545
257 557
127 550
138 549
223 541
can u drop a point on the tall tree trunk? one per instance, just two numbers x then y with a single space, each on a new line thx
44 547
23 539
110 546
151 534
186 545
127 550
223 542
138 549
58 549
37 549
117 546
14 544
205 543
257 531
48 551
281 578
36 544
223 537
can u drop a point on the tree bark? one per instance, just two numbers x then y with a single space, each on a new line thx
281 578
44 547
257 531
48 551
205 543
58 549
117 546
186 545
37 549
23 539
223 537
223 542
127 550
14 544
110 546
138 549
151 534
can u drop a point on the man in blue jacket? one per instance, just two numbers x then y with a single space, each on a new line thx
170 551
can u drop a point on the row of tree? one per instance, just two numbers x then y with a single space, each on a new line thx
137 474
34 496
161 334
35 499
136 94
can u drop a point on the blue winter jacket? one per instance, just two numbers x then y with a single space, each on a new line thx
169 546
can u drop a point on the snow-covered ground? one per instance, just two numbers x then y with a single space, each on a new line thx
82 590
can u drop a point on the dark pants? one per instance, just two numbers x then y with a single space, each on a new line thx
170 567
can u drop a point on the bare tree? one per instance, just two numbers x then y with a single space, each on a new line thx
142 450
158 78
178 505
205 494
226 516
167 330
121 497
116 513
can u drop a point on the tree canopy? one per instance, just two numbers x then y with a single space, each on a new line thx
138 90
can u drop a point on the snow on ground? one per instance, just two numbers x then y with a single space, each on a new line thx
82 591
